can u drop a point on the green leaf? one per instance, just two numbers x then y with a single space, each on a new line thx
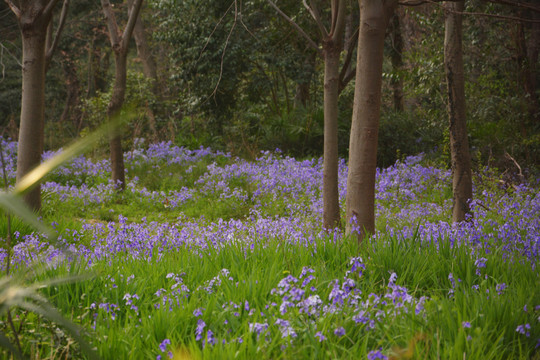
16 206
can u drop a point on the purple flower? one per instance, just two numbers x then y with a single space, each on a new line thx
258 328
210 337
500 288
320 335
199 330
163 345
480 263
340 331
376 354
197 312
285 328
465 324
524 329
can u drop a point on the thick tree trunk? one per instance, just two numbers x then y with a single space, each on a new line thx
360 201
115 105
332 51
30 146
459 144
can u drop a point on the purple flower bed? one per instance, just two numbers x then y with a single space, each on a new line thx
507 220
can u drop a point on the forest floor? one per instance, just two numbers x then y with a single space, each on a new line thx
209 256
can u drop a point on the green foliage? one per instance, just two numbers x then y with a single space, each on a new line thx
402 134
228 67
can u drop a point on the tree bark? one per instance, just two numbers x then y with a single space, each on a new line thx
114 107
331 216
332 46
34 18
455 78
30 146
120 46
360 201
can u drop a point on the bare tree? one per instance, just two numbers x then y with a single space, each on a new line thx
35 23
360 202
120 47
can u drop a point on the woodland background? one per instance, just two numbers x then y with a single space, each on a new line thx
237 77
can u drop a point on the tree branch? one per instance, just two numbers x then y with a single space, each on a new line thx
516 3
338 20
14 8
111 24
346 79
133 14
225 48
503 2
298 28
54 44
314 11
345 70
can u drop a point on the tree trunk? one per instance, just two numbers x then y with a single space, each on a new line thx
360 201
30 146
34 18
332 51
120 46
332 46
114 107
459 144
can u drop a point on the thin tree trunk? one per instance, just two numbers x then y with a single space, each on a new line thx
331 216
115 105
120 46
360 201
459 144
332 46
30 146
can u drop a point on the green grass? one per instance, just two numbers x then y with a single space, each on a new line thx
435 333
423 270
